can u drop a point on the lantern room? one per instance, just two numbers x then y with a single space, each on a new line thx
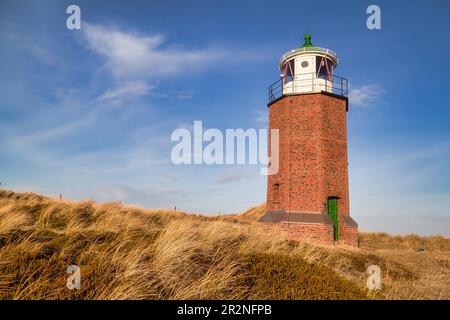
308 69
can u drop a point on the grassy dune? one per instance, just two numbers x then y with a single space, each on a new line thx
126 252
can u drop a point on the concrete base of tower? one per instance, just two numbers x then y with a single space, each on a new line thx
311 227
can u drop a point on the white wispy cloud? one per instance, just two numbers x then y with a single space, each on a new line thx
44 55
24 140
27 44
128 91
365 95
261 116
138 61
232 175
180 95
130 54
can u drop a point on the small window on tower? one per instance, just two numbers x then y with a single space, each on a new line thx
324 68
288 70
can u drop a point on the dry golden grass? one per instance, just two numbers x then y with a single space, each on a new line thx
126 252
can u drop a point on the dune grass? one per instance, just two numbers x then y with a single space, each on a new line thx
126 252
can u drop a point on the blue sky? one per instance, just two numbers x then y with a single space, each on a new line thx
88 113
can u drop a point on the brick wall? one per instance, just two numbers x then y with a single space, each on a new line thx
312 151
317 233
312 162
348 233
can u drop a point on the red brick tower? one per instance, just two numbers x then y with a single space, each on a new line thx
308 197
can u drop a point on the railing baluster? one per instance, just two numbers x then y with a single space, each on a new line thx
278 89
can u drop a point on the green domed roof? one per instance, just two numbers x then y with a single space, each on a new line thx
308 46
307 43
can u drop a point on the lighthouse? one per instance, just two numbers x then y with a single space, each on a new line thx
308 198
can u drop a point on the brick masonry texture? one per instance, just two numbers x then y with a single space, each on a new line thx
317 233
312 163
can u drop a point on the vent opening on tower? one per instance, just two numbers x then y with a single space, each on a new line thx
276 194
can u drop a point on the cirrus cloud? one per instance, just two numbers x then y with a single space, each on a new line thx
130 90
130 54
365 95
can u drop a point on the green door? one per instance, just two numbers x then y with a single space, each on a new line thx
333 213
